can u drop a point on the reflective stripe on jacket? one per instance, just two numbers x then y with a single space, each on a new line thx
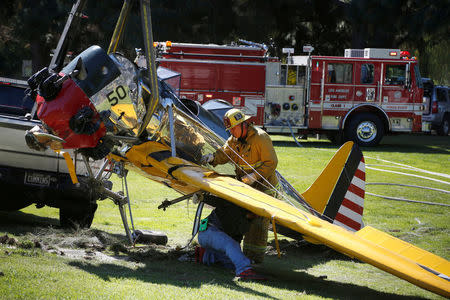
256 152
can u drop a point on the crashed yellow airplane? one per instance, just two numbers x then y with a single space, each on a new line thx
175 139
103 104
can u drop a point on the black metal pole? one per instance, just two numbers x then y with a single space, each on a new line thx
63 43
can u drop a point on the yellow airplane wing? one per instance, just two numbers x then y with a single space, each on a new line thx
377 248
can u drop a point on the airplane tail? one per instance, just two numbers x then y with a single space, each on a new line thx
338 192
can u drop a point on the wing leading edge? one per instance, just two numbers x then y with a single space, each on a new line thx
364 244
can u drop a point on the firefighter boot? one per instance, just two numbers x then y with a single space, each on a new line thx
255 240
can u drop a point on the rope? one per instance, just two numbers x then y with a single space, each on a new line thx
265 182
276 237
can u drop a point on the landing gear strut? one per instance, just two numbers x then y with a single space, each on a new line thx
121 199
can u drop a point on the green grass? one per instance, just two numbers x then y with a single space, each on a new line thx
304 271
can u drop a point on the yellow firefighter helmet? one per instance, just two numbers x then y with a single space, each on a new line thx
234 117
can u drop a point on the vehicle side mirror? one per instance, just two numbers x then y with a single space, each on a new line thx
408 76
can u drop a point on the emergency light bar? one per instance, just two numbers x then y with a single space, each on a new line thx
382 53
373 53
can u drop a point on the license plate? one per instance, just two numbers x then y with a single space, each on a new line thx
37 179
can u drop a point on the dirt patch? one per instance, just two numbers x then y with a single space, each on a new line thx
87 255
8 240
92 244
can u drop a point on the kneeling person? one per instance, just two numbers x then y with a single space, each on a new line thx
222 235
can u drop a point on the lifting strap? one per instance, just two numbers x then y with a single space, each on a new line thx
198 217
70 166
276 237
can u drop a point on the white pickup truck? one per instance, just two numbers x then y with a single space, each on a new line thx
28 176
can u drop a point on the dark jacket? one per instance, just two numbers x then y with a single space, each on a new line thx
228 217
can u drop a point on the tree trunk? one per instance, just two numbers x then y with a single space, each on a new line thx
37 56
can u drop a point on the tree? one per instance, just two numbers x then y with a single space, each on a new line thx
416 25
29 29
38 23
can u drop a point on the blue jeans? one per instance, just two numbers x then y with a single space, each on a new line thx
221 248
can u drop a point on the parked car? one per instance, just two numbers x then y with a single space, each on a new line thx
28 176
437 112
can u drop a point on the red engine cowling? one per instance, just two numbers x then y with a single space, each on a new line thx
58 112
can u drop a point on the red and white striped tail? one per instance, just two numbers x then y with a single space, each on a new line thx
350 212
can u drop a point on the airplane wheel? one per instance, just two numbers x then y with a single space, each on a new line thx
365 129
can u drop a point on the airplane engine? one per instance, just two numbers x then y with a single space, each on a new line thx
93 95
66 111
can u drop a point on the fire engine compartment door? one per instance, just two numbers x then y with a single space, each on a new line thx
285 104
285 97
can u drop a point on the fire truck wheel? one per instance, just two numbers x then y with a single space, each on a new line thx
365 129
444 127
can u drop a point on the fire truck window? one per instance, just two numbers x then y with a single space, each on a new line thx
283 75
292 75
367 73
301 76
418 77
395 75
339 73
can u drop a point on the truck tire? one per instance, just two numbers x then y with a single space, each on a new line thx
77 217
443 129
14 198
15 204
365 129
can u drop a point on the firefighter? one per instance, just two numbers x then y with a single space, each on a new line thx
251 149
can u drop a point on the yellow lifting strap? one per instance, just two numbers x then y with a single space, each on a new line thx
70 166
276 237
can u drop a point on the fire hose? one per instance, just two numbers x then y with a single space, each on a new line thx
408 185
292 133
399 184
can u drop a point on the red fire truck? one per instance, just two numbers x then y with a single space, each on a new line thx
361 96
